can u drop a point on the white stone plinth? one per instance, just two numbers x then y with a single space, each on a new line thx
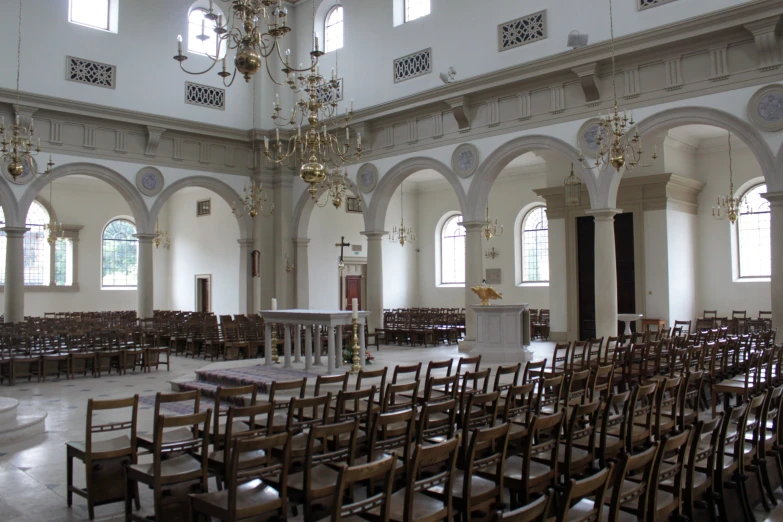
502 334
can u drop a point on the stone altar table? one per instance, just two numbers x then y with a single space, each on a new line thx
502 333
313 321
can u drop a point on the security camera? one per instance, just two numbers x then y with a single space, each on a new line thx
577 39
448 77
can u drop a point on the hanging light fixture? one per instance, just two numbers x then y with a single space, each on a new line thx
18 151
252 204
162 238
491 229
729 206
616 147
573 190
54 228
315 148
241 30
336 185
402 235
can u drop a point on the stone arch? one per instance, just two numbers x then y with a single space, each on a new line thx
491 168
305 206
220 188
375 219
9 204
115 179
670 118
776 185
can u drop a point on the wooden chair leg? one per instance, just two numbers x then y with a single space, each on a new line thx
69 477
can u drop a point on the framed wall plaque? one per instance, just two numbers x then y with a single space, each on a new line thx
353 205
492 276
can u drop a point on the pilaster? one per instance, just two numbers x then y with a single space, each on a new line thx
145 284
776 238
246 277
375 277
474 275
605 272
14 274
283 246
302 277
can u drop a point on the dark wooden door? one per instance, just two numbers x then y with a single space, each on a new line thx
353 289
585 247
203 294
626 270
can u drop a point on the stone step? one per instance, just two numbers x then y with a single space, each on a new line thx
7 410
26 424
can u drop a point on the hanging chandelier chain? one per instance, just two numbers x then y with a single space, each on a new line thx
18 54
611 39
731 172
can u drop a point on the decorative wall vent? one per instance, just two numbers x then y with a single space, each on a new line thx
205 96
521 31
89 72
646 4
324 95
413 65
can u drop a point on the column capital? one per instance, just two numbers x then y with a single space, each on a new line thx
775 198
301 241
603 214
374 235
473 226
15 231
145 238
245 243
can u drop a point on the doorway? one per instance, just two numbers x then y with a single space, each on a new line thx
204 293
353 290
625 265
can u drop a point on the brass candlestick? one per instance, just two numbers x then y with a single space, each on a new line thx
357 366
275 357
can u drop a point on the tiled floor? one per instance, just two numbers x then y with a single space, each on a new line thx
32 473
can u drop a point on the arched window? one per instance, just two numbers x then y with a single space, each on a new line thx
333 29
452 252
753 237
535 246
201 32
92 13
120 255
416 9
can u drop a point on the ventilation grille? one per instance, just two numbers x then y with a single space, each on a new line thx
522 31
91 73
205 96
413 65
646 4
324 95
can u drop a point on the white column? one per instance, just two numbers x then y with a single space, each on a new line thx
330 351
317 345
14 274
338 338
287 345
145 284
302 275
256 281
362 344
308 346
282 226
558 276
474 275
375 278
297 342
776 236
605 272
246 277
267 344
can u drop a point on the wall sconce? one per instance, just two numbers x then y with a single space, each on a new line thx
492 254
288 266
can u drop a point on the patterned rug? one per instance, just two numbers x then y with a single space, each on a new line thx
259 375
147 402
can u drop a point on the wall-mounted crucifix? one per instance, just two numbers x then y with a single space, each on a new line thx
342 244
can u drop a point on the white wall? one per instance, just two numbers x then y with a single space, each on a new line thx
656 265
203 245
684 263
716 288
401 264
326 226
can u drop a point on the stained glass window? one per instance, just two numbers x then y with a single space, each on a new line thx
535 246
753 235
452 252
120 255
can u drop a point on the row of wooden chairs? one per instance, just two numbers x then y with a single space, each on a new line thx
422 326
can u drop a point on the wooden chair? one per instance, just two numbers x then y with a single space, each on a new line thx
400 397
768 438
174 463
358 405
391 433
238 395
631 485
536 511
576 451
613 430
698 486
640 416
412 503
535 470
413 371
577 504
665 412
242 422
104 460
339 381
377 378
601 383
726 473
248 494
468 364
578 357
440 389
377 502
534 370
666 483
281 405
519 406
550 391
691 394
560 357
501 372
480 411
437 422
147 441
304 414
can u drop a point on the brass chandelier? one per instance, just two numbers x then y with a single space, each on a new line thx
402 235
315 148
491 229
241 30
18 151
573 190
162 238
616 147
252 203
54 228
336 185
729 206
